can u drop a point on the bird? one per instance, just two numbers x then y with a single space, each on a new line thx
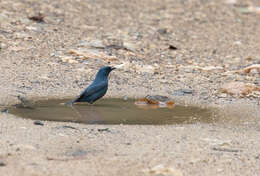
97 89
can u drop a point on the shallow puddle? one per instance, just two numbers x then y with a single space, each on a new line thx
112 111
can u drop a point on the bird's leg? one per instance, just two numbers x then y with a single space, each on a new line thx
76 111
69 104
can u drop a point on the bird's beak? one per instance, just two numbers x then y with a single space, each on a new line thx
113 68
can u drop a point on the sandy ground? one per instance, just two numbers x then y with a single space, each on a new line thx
162 47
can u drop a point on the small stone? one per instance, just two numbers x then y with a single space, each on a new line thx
39 18
172 47
79 153
93 43
182 92
130 46
210 68
31 28
124 66
244 10
254 9
162 31
257 157
69 60
222 95
222 149
213 141
37 122
70 127
2 163
231 2
164 171
4 19
2 45
237 43
20 147
52 54
145 69
16 48
104 130
254 94
190 68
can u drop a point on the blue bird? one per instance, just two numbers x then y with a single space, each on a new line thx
97 89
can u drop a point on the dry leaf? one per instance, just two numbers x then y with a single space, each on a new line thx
156 101
238 88
253 68
69 60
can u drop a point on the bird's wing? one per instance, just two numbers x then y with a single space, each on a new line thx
92 89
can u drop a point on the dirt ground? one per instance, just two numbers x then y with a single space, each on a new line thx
184 49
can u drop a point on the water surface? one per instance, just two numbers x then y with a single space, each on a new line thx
112 111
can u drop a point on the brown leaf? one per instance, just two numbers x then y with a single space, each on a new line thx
252 68
153 102
238 88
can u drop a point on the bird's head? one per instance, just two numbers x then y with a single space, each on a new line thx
104 72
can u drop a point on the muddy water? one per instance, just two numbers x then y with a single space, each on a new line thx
112 111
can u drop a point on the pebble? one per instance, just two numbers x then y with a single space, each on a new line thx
182 92
79 153
2 163
130 46
69 60
104 130
163 170
225 149
94 44
37 122
2 45
162 31
222 95
70 127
